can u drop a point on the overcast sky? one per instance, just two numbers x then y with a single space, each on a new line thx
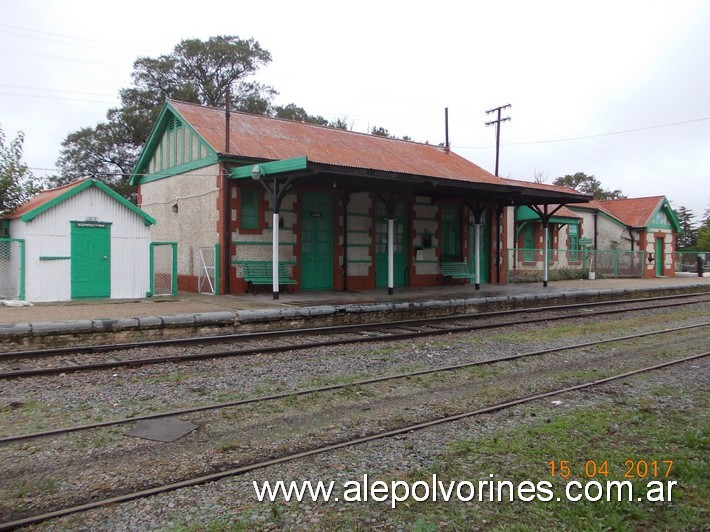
579 76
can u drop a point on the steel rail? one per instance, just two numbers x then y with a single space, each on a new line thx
225 338
332 387
212 477
311 345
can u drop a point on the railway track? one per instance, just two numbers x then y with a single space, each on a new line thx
232 472
332 387
64 360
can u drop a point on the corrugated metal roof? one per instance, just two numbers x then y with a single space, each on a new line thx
261 137
43 197
636 212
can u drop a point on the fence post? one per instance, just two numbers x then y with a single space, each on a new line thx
22 271
174 287
217 261
699 263
151 271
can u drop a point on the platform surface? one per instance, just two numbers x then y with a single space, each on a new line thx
191 303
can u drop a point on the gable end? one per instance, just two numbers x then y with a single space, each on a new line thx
174 147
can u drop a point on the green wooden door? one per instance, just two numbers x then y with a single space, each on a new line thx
659 257
485 248
316 241
529 242
400 244
90 260
451 233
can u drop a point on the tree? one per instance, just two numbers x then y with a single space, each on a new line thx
688 235
539 176
16 181
588 184
196 71
380 132
299 114
703 237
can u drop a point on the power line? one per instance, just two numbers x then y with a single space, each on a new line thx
590 136
497 124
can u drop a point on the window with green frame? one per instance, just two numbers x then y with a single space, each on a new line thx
573 232
450 232
529 242
249 208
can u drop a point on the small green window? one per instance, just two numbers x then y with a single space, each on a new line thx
249 208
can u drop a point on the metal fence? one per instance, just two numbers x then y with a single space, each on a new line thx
208 269
12 268
686 262
163 269
526 265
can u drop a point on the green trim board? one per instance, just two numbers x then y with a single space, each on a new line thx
670 222
88 183
236 261
269 243
183 168
273 167
524 213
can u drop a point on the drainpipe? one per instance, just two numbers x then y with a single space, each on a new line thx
499 214
227 191
345 198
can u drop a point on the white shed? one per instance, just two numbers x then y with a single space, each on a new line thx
81 241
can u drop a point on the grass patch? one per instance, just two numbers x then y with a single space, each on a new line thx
613 435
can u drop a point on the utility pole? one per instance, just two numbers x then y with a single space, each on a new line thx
497 123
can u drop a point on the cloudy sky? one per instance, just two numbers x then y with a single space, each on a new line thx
618 89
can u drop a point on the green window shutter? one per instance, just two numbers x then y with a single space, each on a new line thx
573 231
450 232
529 242
249 208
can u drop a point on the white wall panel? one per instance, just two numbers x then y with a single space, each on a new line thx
49 235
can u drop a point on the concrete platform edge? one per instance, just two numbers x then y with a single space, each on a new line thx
51 333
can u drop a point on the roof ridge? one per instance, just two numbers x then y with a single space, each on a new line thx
309 124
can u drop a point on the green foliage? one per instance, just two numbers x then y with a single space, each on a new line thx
688 235
588 184
196 71
380 132
17 183
299 114
703 242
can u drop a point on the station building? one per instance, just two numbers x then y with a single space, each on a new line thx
339 210
629 237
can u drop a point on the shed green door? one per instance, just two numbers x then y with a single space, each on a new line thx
659 257
485 247
316 241
399 245
90 260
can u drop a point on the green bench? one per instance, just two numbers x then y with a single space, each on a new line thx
261 272
456 270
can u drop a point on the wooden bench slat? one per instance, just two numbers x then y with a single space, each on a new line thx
456 270
261 272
